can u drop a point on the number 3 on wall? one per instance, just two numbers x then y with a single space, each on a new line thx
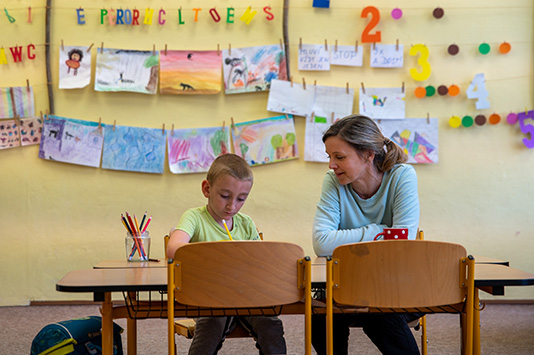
527 128
375 18
422 62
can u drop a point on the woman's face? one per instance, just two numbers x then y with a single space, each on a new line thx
347 164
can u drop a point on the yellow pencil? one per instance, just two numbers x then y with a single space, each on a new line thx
227 231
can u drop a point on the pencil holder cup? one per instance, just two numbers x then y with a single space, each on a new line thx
137 246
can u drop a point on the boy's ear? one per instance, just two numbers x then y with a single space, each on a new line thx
206 188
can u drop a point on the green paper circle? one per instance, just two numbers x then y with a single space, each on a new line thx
467 121
430 90
484 48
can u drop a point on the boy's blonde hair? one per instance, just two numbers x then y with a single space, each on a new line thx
229 164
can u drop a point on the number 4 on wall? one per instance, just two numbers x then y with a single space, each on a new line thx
477 90
526 128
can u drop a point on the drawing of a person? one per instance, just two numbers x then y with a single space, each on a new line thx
75 57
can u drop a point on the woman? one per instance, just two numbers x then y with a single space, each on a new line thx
367 189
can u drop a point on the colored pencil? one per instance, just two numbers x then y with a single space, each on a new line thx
134 235
147 223
142 221
227 231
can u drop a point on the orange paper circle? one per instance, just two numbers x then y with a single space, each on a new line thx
454 90
494 119
505 47
455 121
420 92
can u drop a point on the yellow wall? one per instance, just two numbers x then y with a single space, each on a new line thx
56 217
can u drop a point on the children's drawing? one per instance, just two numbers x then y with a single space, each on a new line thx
332 103
193 150
387 56
351 56
16 101
190 72
383 103
74 67
71 141
314 149
9 134
417 136
134 149
314 57
127 70
290 98
30 131
251 69
264 141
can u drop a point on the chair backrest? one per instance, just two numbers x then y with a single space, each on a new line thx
399 274
237 274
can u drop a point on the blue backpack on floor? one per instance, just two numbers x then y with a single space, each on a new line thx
80 336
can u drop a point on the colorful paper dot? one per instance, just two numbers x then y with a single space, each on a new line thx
484 48
438 12
467 121
455 121
480 120
420 92
453 49
396 13
511 118
454 90
443 90
430 90
494 118
505 47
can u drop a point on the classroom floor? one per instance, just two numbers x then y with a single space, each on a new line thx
505 329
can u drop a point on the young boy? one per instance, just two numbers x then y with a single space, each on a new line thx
226 187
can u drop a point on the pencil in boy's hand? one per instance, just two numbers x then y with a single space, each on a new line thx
227 231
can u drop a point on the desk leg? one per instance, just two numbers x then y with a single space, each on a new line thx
107 325
476 324
131 329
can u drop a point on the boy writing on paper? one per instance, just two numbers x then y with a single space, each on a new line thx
227 186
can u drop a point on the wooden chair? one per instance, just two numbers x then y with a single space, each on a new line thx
401 276
237 278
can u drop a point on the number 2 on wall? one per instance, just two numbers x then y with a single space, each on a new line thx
527 128
375 18
422 61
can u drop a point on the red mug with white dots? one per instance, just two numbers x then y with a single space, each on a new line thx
393 234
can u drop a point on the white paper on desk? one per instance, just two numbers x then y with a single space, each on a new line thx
347 56
288 98
387 56
314 57
418 137
383 103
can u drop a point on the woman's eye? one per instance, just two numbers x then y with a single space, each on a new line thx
225 196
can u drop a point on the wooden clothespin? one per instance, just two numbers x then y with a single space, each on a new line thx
304 83
229 48
332 119
325 45
300 43
374 45
287 117
114 125
62 48
427 118
218 49
224 123
28 84
100 125
347 87
102 48
363 88
281 45
291 80
232 124
335 48
356 47
165 48
403 87
172 131
153 49
42 119
311 116
89 49
397 46
163 130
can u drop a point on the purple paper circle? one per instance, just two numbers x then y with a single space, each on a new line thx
511 118
396 13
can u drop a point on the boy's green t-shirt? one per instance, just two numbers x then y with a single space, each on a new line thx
200 225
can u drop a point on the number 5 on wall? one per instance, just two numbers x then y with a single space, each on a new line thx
527 128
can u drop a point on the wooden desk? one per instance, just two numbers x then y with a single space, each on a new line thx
491 278
124 264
